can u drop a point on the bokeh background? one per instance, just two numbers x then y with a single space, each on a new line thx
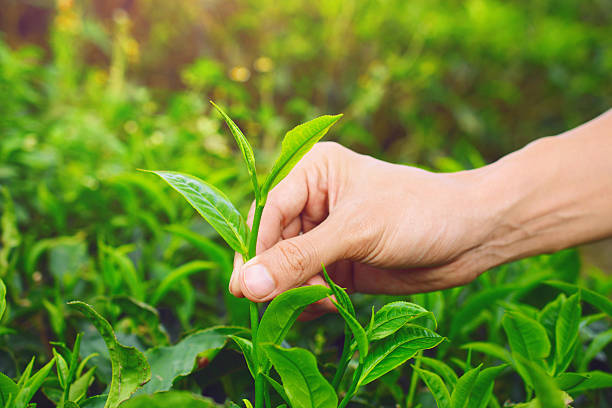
91 91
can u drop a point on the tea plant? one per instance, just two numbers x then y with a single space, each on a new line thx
394 341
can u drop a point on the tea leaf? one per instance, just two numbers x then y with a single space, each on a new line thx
296 144
211 204
544 385
442 369
303 383
282 313
182 399
599 301
358 332
171 362
483 388
245 147
491 349
246 346
395 350
565 381
566 331
277 387
7 388
526 336
62 369
31 385
436 386
130 368
463 389
596 380
2 298
341 296
597 344
78 389
393 316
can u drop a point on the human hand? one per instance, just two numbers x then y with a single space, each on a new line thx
378 227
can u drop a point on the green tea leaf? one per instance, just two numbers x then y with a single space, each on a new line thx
392 317
566 381
544 386
130 368
483 388
246 346
463 389
596 380
395 350
526 336
178 274
182 399
245 147
283 311
436 387
2 298
8 388
550 313
31 385
360 335
171 362
598 343
442 369
277 387
78 389
296 144
566 331
62 368
213 205
595 299
303 383
341 296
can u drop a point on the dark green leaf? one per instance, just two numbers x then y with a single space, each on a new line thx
295 145
213 205
303 383
566 381
463 389
599 301
396 350
130 368
171 362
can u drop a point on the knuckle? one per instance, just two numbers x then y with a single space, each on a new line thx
295 260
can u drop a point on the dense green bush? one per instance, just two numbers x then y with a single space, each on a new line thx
444 85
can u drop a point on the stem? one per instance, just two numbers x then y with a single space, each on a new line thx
413 382
344 360
351 391
259 390
255 229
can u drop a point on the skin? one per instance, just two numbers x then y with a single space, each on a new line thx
388 228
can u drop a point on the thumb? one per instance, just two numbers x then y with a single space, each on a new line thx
291 262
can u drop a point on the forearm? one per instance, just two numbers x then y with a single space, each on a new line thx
553 194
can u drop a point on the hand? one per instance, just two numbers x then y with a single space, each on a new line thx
378 228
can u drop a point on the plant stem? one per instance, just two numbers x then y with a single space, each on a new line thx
259 390
413 382
259 206
352 389
344 360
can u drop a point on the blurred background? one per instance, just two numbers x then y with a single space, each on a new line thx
90 91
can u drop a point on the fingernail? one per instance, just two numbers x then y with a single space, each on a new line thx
258 280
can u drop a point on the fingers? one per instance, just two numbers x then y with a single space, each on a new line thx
292 262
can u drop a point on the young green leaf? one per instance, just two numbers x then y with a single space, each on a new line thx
549 314
170 362
599 342
392 317
277 387
596 380
341 296
566 381
78 389
442 369
566 331
245 147
546 391
295 145
62 369
8 389
31 385
490 349
395 350
246 346
282 312
483 388
526 336
595 299
130 368
436 386
360 335
213 205
463 389
303 383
